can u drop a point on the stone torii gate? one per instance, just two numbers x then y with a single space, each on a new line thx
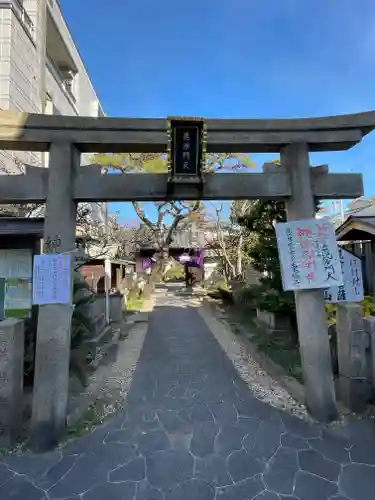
65 184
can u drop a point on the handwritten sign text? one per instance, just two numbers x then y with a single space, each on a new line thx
308 254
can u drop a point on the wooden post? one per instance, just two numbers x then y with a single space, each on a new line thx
51 379
310 306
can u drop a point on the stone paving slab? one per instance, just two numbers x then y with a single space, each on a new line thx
192 430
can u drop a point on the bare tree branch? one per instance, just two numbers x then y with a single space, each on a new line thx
230 239
142 216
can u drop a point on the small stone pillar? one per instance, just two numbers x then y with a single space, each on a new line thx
12 338
118 279
116 307
354 388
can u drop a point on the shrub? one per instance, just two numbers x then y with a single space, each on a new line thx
221 294
81 331
225 294
82 324
247 295
175 273
368 305
275 301
266 299
368 309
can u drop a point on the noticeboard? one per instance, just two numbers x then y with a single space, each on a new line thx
52 279
352 288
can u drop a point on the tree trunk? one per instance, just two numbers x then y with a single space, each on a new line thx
239 256
164 260
160 266
186 269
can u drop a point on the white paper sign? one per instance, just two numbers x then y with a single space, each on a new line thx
352 288
52 279
308 254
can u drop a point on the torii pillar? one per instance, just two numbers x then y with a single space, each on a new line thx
310 304
52 357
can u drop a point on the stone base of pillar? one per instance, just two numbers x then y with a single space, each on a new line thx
354 393
51 379
354 386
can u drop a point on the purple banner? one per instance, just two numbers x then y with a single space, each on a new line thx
192 260
147 263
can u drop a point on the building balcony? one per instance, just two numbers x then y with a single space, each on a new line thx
59 44
63 81
23 16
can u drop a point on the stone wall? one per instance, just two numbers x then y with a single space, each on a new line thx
96 308
277 322
11 379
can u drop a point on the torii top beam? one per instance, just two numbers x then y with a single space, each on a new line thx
35 132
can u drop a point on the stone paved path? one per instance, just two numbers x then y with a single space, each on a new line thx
193 431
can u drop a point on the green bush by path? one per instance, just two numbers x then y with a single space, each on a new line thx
134 303
82 330
367 303
175 273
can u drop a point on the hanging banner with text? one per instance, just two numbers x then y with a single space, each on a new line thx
308 253
352 288
52 279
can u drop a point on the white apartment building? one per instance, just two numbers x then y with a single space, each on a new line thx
41 70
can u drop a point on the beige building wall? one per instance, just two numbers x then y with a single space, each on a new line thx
41 70
37 47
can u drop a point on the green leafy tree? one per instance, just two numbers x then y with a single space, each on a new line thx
262 247
154 163
262 251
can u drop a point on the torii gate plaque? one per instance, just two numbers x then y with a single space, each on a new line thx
186 150
65 183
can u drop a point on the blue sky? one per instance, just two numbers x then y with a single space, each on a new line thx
235 59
